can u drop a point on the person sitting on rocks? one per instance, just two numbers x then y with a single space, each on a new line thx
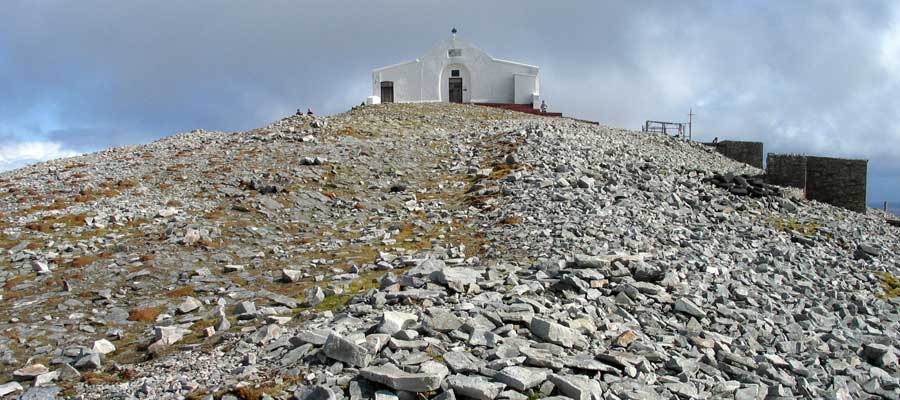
715 140
309 111
543 106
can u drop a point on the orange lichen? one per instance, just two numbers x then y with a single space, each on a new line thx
83 261
181 292
514 220
148 314
11 283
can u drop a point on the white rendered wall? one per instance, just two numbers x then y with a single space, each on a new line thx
485 79
444 79
406 78
525 86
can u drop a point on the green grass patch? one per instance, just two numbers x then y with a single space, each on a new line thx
358 286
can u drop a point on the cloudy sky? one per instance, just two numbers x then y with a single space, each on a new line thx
818 77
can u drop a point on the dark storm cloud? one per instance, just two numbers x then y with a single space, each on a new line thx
802 76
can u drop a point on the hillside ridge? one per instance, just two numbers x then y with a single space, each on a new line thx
435 250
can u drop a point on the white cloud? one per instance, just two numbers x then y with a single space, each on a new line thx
890 46
15 155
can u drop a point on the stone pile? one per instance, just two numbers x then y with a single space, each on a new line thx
744 185
523 258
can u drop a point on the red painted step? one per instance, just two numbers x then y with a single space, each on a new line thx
525 108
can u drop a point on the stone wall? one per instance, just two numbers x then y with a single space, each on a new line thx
787 170
836 181
746 152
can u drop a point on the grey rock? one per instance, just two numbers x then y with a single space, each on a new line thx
427 267
295 355
434 368
291 275
446 395
318 392
880 355
577 387
751 392
512 395
233 268
407 334
68 373
90 361
10 387
688 307
189 304
103 347
385 395
169 335
521 378
245 308
475 387
443 321
46 379
683 390
30 372
542 358
867 251
314 295
283 300
222 323
266 334
644 272
588 363
395 321
361 389
456 278
557 334
394 378
341 349
463 362
41 393
516 313
398 344
316 338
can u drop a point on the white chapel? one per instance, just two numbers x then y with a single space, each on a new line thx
456 71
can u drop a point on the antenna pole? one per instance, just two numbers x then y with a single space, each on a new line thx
691 124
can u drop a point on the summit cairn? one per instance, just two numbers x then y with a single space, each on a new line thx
524 257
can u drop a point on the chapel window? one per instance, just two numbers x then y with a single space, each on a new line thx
455 52
454 73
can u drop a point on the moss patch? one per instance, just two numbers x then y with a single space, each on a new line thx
806 228
890 284
356 287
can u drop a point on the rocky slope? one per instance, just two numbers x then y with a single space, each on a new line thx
435 251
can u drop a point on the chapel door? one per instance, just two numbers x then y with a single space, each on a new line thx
456 90
387 92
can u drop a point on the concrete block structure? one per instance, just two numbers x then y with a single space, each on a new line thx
750 153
